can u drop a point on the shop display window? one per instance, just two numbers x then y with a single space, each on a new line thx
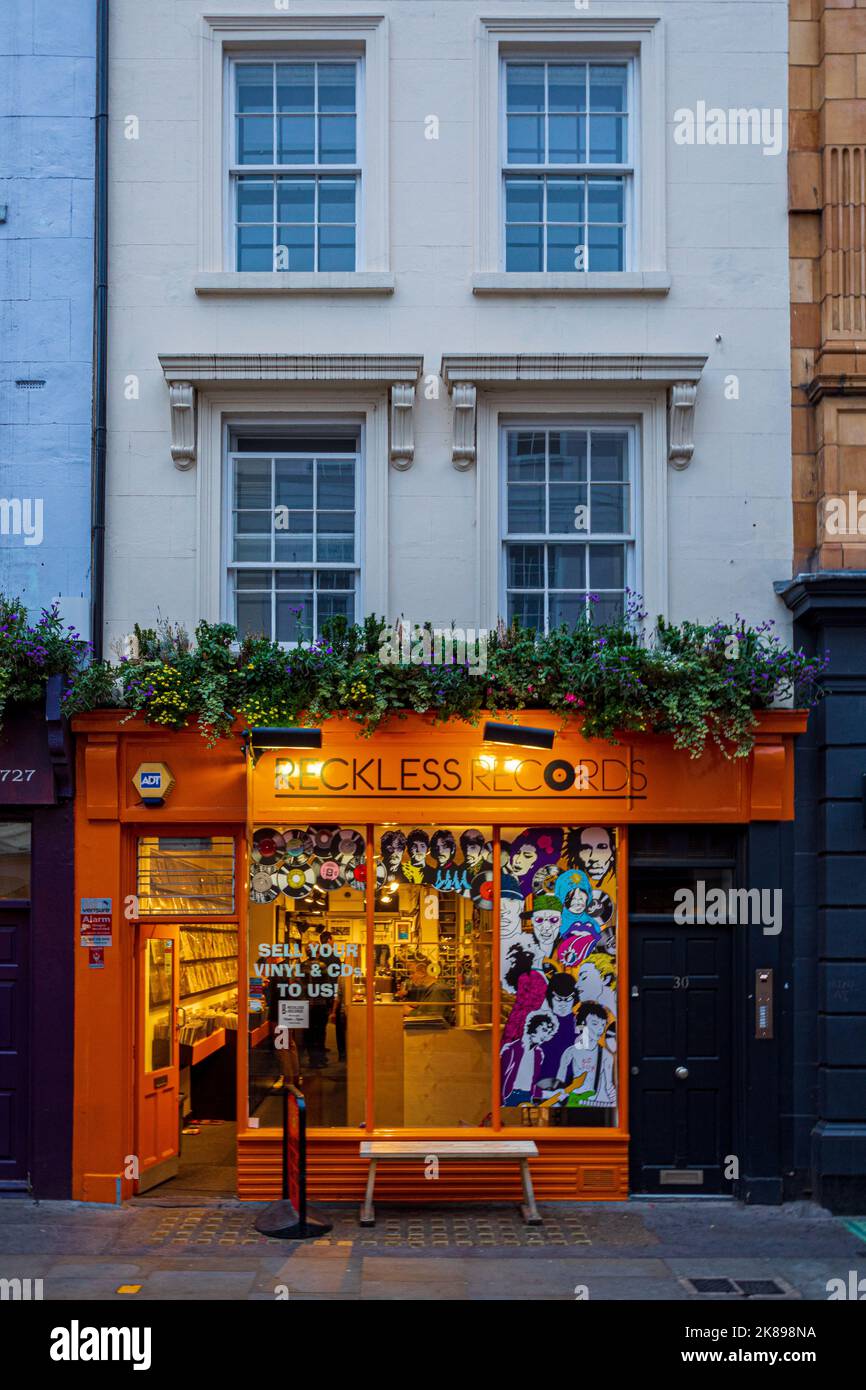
186 875
558 975
307 972
433 982
14 860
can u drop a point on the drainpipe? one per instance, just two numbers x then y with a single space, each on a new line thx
100 336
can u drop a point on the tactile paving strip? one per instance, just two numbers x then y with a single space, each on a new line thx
196 1227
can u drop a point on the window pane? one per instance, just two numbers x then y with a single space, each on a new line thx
336 86
253 523
524 200
336 483
525 566
608 609
606 567
525 508
296 200
525 139
566 566
253 482
606 200
525 456
255 200
337 201
565 247
255 88
180 874
335 523
294 581
293 548
527 610
609 458
296 249
607 87
294 478
567 456
255 140
606 248
609 507
524 248
336 606
297 140
336 139
565 200
567 87
607 139
565 498
295 87
335 550
567 140
253 615
247 551
566 608
294 617
336 248
334 580
14 859
255 248
525 87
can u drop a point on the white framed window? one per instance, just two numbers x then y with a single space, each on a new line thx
569 503
294 167
293 530
295 155
567 164
571 156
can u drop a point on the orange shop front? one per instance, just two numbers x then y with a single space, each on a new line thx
428 933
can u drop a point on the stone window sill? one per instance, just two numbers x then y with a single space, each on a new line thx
252 282
580 283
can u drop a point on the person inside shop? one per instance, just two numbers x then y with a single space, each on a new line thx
426 996
320 1007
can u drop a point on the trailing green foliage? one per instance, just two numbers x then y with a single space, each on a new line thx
32 652
693 681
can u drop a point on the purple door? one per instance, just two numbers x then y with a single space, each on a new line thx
14 1046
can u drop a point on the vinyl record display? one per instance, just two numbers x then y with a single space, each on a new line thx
481 889
320 840
356 877
296 843
330 875
269 848
298 880
264 887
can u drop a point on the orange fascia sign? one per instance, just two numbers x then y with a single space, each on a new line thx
641 779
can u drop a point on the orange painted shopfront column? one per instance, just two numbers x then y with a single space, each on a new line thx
410 773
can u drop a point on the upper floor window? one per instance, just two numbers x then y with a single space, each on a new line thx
567 165
569 535
295 169
294 536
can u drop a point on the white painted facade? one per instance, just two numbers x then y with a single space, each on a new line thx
707 279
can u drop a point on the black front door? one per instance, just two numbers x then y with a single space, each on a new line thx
14 1046
681 1058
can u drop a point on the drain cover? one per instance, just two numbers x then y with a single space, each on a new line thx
761 1288
712 1285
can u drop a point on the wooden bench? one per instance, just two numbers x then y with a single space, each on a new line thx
486 1150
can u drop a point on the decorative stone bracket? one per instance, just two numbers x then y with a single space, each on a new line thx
188 373
181 398
681 423
463 451
464 373
402 425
